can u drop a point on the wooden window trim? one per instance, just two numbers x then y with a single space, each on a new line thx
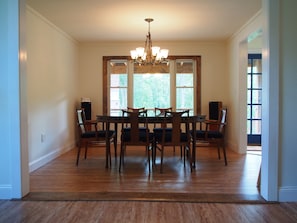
198 78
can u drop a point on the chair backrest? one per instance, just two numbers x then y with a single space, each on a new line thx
130 109
80 114
223 119
161 111
174 119
132 128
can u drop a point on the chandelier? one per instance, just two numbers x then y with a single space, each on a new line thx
149 54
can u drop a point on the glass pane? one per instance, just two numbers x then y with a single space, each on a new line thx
249 68
249 83
257 81
257 96
249 111
118 80
257 68
184 98
256 129
118 98
256 112
151 90
184 80
248 127
249 101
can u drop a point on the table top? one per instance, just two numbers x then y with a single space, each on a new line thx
149 118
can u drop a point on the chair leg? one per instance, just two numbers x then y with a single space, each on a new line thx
108 156
115 148
86 150
225 156
184 156
219 153
121 157
78 154
161 165
154 151
148 157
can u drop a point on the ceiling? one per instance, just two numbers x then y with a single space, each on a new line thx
123 20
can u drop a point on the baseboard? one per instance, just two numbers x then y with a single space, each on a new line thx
288 194
34 165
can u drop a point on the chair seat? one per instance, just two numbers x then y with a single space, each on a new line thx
214 134
126 135
200 134
99 134
159 131
168 136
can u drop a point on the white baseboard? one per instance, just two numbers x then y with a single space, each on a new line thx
34 165
287 194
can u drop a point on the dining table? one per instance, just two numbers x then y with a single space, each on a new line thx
191 120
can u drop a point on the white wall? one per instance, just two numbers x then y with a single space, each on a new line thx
213 64
288 104
10 134
52 86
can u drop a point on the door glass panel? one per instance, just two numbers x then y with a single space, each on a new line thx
256 112
257 65
257 96
249 112
257 81
249 95
248 125
254 98
256 127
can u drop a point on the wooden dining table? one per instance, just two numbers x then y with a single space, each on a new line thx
191 120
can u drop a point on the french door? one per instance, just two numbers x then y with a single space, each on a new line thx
254 99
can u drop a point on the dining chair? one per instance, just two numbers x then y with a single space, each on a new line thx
89 135
172 135
135 133
132 109
213 134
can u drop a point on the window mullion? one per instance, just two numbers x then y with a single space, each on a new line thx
172 69
130 83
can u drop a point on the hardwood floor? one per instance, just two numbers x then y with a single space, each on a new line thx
138 212
211 177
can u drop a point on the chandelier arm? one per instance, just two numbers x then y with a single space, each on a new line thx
150 55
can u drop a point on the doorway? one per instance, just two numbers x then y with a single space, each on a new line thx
254 99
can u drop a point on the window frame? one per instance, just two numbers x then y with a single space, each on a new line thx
197 93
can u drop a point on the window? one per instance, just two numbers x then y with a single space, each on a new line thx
175 84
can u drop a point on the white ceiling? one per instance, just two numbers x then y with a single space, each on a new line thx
123 20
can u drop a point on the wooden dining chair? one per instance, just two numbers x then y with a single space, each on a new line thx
172 135
135 133
213 134
89 135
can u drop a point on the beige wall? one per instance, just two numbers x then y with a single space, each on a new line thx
52 75
214 68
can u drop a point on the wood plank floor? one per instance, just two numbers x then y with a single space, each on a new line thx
210 177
